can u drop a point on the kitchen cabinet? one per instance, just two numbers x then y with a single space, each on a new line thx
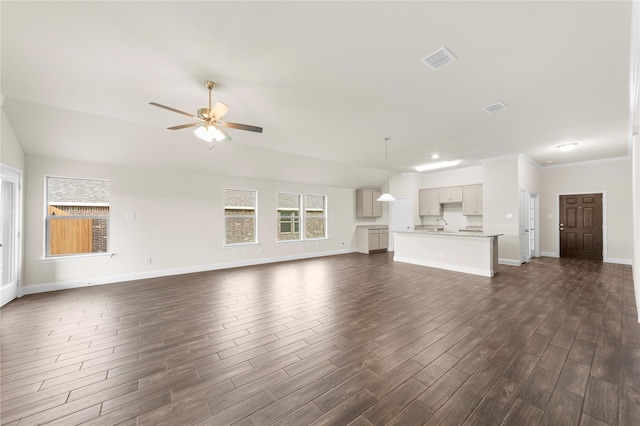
472 200
367 204
450 195
372 238
429 203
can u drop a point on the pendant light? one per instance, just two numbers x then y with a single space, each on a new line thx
386 196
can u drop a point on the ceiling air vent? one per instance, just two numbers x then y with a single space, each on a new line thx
495 107
439 58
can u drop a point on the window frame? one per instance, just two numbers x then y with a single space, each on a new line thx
255 217
47 256
293 220
324 217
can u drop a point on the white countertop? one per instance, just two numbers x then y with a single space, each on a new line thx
470 234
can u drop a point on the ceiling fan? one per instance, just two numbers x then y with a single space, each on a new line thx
210 120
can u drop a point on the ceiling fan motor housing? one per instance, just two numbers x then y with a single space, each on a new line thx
205 113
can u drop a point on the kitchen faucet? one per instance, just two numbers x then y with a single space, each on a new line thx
442 219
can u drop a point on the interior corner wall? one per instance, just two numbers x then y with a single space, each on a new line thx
501 205
11 152
614 179
529 176
179 224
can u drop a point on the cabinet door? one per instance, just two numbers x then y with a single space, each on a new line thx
469 200
373 240
450 195
455 194
429 203
383 240
472 200
424 198
367 203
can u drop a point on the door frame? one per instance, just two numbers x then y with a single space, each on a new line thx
556 229
6 294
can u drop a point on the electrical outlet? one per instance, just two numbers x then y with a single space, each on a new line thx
342 244
148 261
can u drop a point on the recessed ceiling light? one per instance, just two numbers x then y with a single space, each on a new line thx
567 147
438 165
548 162
435 156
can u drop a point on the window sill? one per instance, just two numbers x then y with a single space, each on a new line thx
76 257
240 245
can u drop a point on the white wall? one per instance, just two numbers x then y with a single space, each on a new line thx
613 178
529 175
11 152
179 224
502 205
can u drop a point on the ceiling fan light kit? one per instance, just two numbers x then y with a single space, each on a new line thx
209 120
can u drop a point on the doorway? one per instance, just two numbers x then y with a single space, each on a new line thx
9 233
401 217
581 226
528 226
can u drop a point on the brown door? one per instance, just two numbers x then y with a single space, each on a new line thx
581 226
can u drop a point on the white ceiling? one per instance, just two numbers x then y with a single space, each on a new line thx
328 81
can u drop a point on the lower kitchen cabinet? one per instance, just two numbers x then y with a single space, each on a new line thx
372 238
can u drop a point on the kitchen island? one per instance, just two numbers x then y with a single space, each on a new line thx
469 252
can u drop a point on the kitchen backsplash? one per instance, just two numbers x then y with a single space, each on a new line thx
452 213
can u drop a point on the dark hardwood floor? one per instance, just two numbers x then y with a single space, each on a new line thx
352 339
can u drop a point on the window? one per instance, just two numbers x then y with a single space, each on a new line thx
288 216
77 216
239 216
315 217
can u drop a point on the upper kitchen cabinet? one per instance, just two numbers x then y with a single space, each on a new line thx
429 203
472 200
450 195
367 204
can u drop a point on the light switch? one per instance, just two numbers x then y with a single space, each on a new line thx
131 215
509 215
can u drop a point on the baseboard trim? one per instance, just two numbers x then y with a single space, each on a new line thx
548 254
619 261
112 279
509 262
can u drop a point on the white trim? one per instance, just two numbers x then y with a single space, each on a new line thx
74 203
112 279
87 256
618 261
509 262
530 161
10 290
588 162
7 292
549 254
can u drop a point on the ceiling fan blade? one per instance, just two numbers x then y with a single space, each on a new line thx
184 126
219 110
174 110
241 126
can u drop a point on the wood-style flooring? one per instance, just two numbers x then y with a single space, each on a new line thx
342 340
